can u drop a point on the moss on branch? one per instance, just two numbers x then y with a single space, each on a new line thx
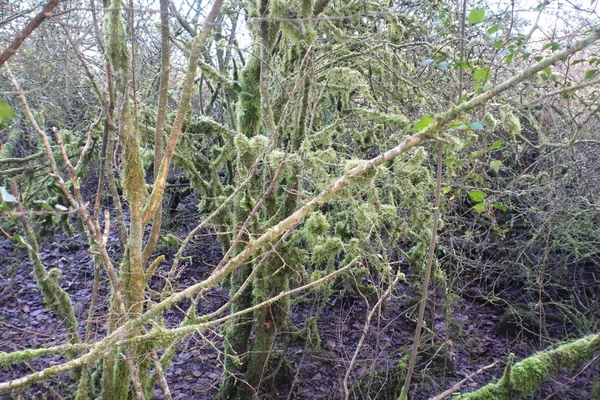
528 375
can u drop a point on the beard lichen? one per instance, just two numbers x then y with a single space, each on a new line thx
115 37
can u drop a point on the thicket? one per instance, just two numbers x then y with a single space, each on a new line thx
346 147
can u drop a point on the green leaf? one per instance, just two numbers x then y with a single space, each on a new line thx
547 71
552 46
477 195
493 29
476 16
481 74
496 145
6 196
463 64
495 165
591 73
6 112
498 44
477 126
479 207
423 123
500 207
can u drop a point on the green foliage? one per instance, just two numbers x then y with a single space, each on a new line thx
6 112
423 123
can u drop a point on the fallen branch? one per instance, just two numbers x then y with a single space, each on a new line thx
458 385
528 375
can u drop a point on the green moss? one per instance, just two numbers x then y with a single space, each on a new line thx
215 76
316 225
134 182
298 32
115 38
397 121
527 375
16 357
310 333
343 82
249 112
326 251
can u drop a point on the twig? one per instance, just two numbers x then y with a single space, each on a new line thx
30 27
457 386
365 331
586 366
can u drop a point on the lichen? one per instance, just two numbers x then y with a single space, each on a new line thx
510 122
115 37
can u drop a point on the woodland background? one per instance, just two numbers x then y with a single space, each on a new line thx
314 199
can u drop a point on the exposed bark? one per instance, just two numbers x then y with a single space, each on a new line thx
29 28
270 235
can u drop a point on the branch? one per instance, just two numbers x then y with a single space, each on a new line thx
30 27
457 386
22 160
527 376
161 178
279 229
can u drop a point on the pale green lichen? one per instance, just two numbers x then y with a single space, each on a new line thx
294 24
510 122
344 82
489 121
115 37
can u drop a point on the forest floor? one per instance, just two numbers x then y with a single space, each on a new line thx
465 341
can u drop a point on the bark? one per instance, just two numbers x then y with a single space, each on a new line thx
29 28
270 235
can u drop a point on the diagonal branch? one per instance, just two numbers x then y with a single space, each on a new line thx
30 27
283 226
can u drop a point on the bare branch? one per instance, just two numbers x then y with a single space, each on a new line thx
29 28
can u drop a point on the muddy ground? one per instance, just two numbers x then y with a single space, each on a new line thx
469 337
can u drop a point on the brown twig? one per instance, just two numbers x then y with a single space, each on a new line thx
458 385
29 28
